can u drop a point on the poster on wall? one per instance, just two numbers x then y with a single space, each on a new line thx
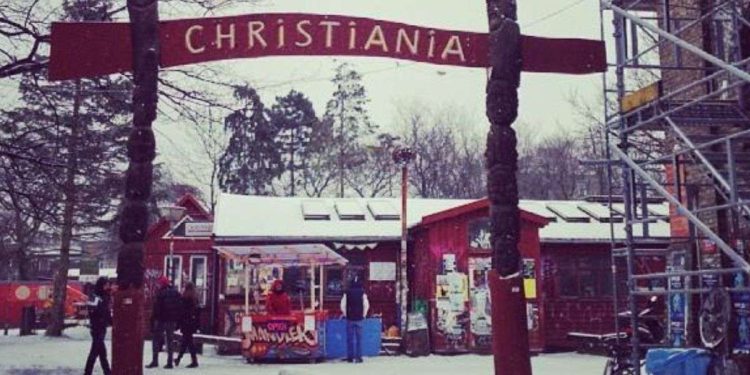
529 278
382 271
480 309
677 304
479 234
452 314
741 304
267 275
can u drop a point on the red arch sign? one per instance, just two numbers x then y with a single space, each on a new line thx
89 49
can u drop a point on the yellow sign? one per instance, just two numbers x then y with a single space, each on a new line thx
641 97
529 288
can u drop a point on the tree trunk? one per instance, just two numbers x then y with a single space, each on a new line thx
127 331
57 317
510 336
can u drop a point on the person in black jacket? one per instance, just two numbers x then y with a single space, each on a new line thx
99 319
354 306
167 312
188 324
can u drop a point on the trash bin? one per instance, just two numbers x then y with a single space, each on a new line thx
677 362
28 320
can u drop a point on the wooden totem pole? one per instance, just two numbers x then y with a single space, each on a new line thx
510 342
127 340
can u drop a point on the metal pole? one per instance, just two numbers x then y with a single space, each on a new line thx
320 288
612 244
403 262
171 258
247 287
683 44
312 287
620 47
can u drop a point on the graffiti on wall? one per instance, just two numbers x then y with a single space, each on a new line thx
451 296
277 339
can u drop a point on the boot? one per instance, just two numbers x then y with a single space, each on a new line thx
152 364
192 365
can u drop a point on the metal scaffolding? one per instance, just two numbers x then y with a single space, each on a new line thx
676 126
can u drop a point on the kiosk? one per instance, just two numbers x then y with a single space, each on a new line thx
299 336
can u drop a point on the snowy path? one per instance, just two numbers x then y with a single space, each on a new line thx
41 355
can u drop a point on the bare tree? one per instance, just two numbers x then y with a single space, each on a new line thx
449 161
377 171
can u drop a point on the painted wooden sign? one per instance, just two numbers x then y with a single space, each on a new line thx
89 49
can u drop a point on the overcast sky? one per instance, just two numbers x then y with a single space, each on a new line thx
544 107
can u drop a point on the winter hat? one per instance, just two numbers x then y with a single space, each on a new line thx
163 281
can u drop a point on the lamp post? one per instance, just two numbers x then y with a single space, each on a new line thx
173 214
402 156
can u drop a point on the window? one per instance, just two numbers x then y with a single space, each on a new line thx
297 280
173 269
199 276
585 276
235 277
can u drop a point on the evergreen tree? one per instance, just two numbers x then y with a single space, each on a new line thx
73 134
252 159
293 115
350 121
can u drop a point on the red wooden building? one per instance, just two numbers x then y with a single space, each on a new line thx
192 253
566 247
451 255
567 256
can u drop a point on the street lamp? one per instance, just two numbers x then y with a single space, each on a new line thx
402 156
173 214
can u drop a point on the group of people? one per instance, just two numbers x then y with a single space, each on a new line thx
171 311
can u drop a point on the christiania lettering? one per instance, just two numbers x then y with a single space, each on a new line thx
281 34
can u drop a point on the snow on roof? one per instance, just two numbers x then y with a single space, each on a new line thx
282 218
259 218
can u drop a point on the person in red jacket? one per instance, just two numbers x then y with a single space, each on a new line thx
277 301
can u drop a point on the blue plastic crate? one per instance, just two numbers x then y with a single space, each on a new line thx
677 361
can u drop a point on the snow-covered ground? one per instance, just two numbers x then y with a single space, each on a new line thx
42 355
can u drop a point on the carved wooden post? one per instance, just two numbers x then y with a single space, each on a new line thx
509 332
127 332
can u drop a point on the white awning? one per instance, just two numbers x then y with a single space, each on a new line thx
293 255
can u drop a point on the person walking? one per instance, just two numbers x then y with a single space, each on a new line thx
166 313
100 318
189 324
354 306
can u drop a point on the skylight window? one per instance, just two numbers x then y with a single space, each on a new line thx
661 210
569 212
383 210
315 210
600 212
349 210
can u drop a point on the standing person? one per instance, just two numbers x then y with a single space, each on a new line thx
99 319
354 306
277 301
188 324
167 312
